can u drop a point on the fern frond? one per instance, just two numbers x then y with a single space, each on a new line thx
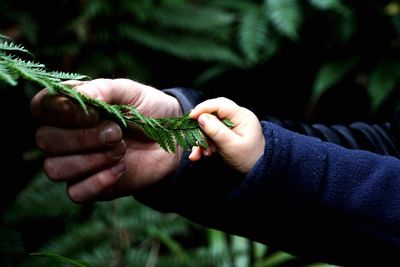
59 75
168 132
253 33
211 73
286 16
62 259
10 46
334 5
330 74
80 237
16 61
37 196
346 24
237 5
7 76
382 82
4 37
193 17
186 47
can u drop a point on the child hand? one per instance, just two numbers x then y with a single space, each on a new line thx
240 146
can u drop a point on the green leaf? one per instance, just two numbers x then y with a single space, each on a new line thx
191 17
238 5
6 76
211 73
10 46
329 74
63 259
253 33
346 25
382 81
188 47
275 259
326 4
286 16
228 123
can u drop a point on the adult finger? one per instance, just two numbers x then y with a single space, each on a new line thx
59 141
61 111
95 186
63 168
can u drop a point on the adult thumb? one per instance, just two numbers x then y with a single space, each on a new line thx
215 129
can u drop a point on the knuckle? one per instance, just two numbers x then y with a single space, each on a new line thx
214 131
224 100
99 181
102 181
41 138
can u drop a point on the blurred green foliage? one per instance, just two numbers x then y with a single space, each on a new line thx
182 42
310 55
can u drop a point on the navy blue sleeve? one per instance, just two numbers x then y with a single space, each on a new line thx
188 98
336 204
314 199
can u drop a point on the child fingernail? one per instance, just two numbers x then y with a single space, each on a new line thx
203 119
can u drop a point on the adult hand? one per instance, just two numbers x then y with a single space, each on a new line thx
98 159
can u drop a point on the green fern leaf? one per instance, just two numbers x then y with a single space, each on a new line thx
10 46
193 17
228 123
65 76
253 33
329 74
326 4
7 76
285 15
179 137
4 37
382 82
237 5
63 259
182 46
346 26
211 73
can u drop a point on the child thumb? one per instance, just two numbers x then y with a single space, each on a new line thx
215 129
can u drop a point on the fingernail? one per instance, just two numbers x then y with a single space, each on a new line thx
118 151
110 133
119 168
203 119
88 90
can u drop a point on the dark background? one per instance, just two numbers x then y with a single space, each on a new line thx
86 37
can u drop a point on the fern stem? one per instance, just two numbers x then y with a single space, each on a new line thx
168 132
